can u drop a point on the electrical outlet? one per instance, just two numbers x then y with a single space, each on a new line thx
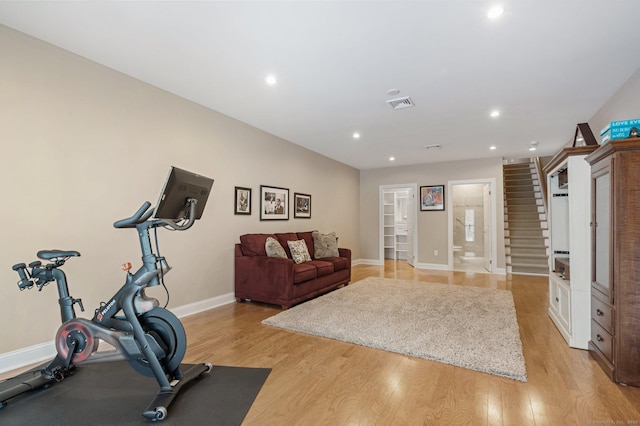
435 252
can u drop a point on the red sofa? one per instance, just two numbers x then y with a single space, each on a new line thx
281 281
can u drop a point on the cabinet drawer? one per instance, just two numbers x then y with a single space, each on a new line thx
602 313
602 340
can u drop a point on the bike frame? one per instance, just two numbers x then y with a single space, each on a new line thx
125 334
147 336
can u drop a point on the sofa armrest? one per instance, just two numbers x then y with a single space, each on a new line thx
345 252
262 278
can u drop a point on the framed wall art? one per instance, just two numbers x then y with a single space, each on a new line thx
301 205
274 203
242 200
432 198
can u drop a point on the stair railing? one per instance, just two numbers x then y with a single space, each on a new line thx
543 182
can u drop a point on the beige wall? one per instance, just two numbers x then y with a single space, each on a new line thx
623 105
83 146
432 226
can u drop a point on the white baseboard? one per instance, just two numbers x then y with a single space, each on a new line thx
45 351
203 305
26 356
374 262
435 266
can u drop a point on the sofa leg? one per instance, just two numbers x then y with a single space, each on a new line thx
239 299
284 308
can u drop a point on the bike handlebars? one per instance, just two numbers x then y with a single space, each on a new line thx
24 282
138 217
143 214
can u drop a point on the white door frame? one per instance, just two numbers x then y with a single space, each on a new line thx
494 219
383 188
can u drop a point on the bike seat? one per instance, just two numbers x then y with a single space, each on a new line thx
52 254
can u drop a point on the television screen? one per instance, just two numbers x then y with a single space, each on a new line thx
179 186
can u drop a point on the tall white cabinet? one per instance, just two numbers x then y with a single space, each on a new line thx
569 207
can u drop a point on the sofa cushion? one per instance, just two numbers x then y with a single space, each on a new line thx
274 248
304 272
324 268
299 252
284 238
325 245
308 238
339 263
254 244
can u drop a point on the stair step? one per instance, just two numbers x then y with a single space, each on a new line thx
526 195
515 168
524 208
528 246
524 201
527 252
526 240
519 182
524 233
529 256
533 215
544 266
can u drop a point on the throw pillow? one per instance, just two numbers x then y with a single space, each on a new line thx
274 248
325 245
299 252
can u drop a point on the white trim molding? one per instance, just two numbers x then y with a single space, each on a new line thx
375 262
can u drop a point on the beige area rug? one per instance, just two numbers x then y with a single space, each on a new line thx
470 327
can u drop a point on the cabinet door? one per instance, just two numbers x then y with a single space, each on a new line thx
601 231
564 307
554 299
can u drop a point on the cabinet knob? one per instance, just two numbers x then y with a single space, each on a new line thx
599 312
599 338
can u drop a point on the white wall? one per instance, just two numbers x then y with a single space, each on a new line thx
83 146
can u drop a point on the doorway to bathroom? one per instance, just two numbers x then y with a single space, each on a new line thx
472 234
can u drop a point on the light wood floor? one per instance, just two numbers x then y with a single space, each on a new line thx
318 381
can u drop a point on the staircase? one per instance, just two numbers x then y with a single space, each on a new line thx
526 232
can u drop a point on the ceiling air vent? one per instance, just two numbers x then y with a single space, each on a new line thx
400 103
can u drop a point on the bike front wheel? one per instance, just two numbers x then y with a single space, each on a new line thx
167 330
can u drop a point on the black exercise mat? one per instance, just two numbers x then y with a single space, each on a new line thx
114 394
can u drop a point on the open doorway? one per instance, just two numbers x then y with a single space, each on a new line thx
398 227
472 234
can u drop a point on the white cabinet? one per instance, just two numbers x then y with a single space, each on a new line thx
569 206
560 304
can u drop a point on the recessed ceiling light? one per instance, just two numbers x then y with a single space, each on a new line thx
495 12
392 158
493 147
393 92
356 135
532 148
533 145
495 113
271 80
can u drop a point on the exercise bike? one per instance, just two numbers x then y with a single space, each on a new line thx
149 337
